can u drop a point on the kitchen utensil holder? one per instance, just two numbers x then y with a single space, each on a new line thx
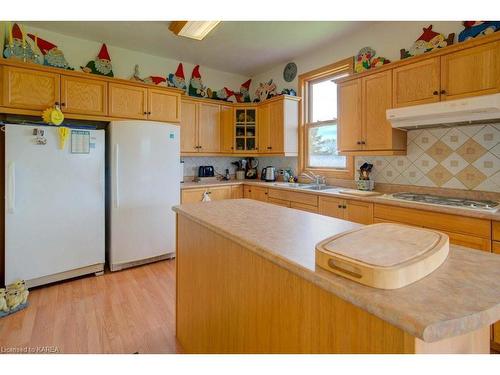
366 185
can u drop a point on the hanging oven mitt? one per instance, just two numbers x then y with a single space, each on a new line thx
63 136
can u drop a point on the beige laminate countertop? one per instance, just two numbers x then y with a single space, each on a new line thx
459 297
335 192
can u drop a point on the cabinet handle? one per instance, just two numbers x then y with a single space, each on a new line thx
443 92
145 113
265 193
56 103
344 206
435 92
363 142
63 104
209 192
149 113
358 142
339 206
232 148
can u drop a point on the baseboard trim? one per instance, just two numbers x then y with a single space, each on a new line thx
135 263
95 268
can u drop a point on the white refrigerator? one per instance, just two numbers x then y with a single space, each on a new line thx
54 203
144 185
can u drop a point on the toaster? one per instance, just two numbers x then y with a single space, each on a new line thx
206 171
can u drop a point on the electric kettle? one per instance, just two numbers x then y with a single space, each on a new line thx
268 174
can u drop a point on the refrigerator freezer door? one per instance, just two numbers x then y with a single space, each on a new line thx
54 212
144 160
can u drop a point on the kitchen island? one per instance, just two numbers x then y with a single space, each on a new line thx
247 283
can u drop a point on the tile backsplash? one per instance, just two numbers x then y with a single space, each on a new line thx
464 157
220 163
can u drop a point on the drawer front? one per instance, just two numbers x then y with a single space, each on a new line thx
304 207
292 196
435 220
279 202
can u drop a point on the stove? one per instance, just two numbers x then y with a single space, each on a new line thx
482 205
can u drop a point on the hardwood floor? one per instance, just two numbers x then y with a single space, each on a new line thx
123 312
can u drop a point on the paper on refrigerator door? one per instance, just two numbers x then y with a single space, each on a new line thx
80 141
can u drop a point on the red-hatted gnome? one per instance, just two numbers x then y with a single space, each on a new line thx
244 95
101 65
196 87
52 56
428 41
177 79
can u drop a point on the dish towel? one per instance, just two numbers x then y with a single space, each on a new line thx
206 197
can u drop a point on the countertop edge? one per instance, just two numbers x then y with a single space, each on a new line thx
430 333
485 215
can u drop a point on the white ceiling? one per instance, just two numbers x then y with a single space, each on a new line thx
243 47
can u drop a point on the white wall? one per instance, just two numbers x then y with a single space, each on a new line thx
386 38
79 51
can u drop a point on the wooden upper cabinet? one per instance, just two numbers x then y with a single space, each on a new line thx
416 83
29 89
85 96
128 101
226 129
209 127
377 98
349 115
471 72
264 125
189 126
164 105
276 127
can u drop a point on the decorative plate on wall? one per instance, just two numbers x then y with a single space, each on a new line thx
290 72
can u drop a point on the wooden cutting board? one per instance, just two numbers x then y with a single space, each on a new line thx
361 193
385 256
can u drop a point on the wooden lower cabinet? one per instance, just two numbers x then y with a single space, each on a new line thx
496 327
236 191
216 193
347 209
255 192
331 206
465 231
359 212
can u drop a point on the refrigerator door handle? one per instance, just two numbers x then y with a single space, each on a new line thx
117 177
11 186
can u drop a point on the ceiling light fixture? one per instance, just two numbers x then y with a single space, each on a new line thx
192 29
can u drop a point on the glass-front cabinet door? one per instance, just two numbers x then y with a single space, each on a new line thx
245 133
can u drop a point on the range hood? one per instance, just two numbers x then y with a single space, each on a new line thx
478 109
